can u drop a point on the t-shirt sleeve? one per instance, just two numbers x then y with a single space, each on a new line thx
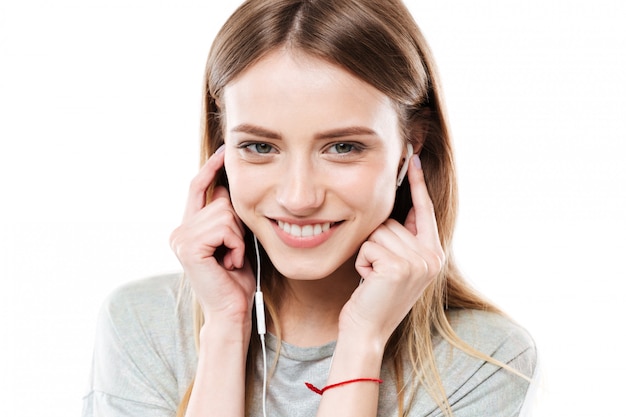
498 393
490 390
136 368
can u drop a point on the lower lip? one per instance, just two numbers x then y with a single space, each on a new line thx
303 242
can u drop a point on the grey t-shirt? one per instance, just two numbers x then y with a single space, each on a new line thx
144 360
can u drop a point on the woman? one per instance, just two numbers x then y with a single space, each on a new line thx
314 110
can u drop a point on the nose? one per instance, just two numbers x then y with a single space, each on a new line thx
300 190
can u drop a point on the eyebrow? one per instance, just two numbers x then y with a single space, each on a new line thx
256 131
330 134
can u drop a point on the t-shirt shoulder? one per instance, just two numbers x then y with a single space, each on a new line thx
142 294
144 355
150 319
491 332
475 383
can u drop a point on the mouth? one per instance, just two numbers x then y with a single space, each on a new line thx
304 234
305 230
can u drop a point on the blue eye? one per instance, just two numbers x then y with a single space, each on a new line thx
262 148
341 148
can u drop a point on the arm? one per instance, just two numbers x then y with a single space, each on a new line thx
483 388
219 388
497 392
353 358
397 263
224 287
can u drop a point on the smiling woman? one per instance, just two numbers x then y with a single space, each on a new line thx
310 107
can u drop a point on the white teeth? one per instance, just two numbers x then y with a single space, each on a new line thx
308 230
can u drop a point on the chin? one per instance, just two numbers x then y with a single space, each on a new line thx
313 268
304 272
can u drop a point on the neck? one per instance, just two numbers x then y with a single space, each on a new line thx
309 312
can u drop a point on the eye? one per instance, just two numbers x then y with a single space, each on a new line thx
259 147
341 148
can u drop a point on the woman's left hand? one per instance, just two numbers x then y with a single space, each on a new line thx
397 263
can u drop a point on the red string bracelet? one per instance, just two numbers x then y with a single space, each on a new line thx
339 384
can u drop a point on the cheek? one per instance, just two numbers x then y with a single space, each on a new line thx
373 191
382 200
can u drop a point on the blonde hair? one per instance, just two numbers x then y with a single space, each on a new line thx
379 42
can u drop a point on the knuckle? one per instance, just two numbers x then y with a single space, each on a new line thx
422 267
183 253
427 265
435 262
175 239
182 250
399 270
196 185
184 246
172 240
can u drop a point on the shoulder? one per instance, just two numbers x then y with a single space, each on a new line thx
493 334
468 364
144 298
144 351
492 366
148 310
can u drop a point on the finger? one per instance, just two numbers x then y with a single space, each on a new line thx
421 219
196 245
377 260
216 215
399 241
219 219
236 254
395 236
401 244
221 193
196 199
366 257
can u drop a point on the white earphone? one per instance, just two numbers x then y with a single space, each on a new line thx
405 164
259 305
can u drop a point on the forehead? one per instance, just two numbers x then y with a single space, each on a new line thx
287 84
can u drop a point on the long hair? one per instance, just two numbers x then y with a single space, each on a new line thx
379 42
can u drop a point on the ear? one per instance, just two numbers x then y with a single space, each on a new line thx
418 128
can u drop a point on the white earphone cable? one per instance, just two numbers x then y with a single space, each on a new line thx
260 320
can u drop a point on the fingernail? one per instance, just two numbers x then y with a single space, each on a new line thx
417 162
220 149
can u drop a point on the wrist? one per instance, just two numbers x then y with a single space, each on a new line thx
352 387
226 331
361 344
356 357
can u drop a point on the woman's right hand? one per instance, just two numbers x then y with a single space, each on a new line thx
210 247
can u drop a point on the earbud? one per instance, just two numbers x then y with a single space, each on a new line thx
405 164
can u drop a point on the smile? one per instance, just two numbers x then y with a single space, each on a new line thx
308 230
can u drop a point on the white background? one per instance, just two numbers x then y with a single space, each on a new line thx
99 121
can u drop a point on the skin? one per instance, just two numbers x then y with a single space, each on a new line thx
306 143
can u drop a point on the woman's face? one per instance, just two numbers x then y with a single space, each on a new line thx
312 156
